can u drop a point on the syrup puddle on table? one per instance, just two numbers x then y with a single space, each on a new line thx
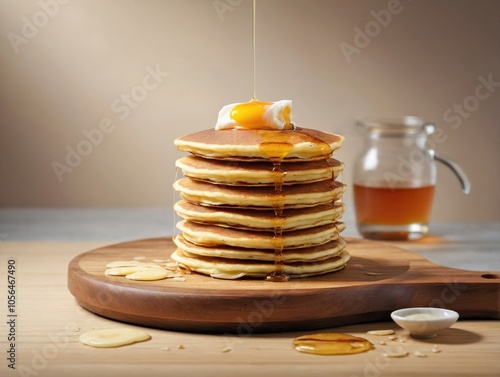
331 344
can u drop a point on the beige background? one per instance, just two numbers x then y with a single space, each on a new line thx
84 55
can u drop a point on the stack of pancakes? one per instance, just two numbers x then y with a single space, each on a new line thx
260 203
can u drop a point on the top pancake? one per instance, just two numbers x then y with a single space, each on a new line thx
299 144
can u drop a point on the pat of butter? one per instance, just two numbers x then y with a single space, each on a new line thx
256 115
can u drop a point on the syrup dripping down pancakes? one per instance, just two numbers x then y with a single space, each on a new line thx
260 197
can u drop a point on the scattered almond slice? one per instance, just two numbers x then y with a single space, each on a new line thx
113 337
139 258
123 271
171 266
226 349
419 354
150 265
435 349
392 337
373 273
396 354
382 343
150 274
381 332
179 278
131 263
123 263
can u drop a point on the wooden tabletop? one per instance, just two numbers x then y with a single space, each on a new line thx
48 321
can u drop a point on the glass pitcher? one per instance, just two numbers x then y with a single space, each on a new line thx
395 176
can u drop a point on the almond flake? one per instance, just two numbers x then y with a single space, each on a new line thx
123 263
435 349
150 274
381 332
419 354
395 354
171 266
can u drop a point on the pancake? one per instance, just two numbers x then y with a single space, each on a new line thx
300 144
296 196
309 254
258 173
225 268
212 235
259 198
292 219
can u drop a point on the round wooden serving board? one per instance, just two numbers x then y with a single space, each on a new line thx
378 279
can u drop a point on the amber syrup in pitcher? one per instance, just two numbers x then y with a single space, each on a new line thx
399 211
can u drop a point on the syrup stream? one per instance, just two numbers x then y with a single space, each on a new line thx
271 147
254 59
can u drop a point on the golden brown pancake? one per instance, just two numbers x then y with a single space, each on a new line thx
296 196
292 219
258 173
213 235
300 144
308 254
225 268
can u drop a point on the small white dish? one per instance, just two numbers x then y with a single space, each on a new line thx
424 322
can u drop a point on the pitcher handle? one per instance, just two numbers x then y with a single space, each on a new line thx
462 177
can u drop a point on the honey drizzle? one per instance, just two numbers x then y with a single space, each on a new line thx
276 147
331 344
253 46
341 200
278 176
